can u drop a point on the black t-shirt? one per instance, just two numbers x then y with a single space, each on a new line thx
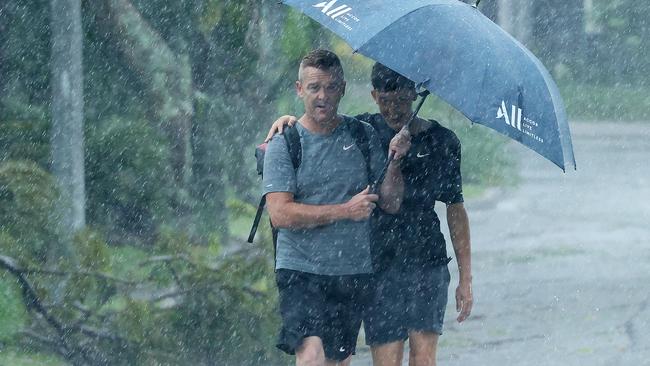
431 173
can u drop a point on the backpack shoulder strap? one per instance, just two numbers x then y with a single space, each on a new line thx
292 138
358 132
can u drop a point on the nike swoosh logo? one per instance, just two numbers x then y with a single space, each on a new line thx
422 155
269 185
342 349
347 147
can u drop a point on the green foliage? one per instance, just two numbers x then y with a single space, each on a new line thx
92 251
484 158
217 322
171 241
197 308
602 102
622 35
25 140
26 41
15 358
213 11
194 306
12 108
128 178
297 38
27 195
13 315
93 256
125 261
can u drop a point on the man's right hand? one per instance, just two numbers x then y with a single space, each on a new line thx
278 125
361 205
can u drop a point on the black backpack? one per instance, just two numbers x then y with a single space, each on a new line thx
292 138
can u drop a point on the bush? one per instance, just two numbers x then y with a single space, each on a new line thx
192 306
27 196
128 178
25 140
13 315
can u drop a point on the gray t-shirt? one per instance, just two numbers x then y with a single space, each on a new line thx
332 170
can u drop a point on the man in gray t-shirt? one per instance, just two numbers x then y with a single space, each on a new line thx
331 172
321 210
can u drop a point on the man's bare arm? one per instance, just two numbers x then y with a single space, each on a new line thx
392 188
460 238
286 213
391 191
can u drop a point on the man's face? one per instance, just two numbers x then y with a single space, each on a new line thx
395 106
321 92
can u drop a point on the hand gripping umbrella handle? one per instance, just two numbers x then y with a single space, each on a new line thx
374 187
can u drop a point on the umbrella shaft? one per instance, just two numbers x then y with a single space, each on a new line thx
424 95
374 188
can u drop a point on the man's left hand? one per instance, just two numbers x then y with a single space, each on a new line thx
464 300
400 144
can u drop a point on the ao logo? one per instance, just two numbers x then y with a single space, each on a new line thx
329 10
514 119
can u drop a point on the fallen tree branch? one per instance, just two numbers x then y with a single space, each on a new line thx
32 302
99 275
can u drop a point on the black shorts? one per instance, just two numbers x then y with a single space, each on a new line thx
406 299
328 307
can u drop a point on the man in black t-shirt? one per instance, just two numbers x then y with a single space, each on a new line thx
409 254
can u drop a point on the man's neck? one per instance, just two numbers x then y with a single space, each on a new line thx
322 128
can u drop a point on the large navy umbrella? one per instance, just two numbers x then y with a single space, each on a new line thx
454 51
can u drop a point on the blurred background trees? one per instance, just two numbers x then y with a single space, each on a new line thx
174 96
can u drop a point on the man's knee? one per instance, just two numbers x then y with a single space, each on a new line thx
423 360
310 353
422 350
389 354
345 362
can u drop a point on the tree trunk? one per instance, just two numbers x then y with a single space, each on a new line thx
591 24
559 32
4 71
489 8
272 69
515 17
166 77
66 135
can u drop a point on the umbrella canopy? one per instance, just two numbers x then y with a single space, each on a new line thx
457 53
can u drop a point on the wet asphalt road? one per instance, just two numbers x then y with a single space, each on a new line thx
561 262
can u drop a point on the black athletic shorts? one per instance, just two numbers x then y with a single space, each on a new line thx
406 298
328 307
